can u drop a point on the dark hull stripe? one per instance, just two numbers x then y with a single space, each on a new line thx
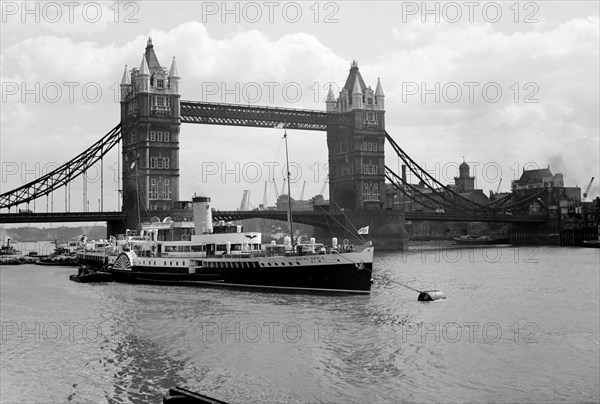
345 278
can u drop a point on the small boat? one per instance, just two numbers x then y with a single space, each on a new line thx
58 260
481 240
63 255
88 275
11 261
178 395
591 243
7 249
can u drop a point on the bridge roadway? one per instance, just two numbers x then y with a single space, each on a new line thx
314 218
262 117
58 217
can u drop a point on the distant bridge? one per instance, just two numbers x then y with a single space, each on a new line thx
328 219
62 217
314 218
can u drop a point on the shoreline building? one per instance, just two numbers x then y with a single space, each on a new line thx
464 185
558 200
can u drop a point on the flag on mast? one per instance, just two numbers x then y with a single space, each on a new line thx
363 230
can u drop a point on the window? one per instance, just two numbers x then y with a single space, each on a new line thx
160 163
132 107
370 169
369 146
159 136
370 191
160 189
160 83
153 190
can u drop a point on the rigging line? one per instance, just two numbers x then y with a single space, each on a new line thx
276 161
408 287
349 221
145 207
342 225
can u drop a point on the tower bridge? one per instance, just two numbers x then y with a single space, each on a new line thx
354 121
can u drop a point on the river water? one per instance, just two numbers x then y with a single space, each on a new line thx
519 325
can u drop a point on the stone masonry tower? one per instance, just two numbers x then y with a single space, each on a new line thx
356 154
150 97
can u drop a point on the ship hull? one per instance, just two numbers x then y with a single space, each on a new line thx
343 278
94 260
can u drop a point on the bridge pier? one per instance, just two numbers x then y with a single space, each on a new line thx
115 227
387 229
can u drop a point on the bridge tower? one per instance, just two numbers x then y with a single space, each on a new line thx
150 95
356 157
357 163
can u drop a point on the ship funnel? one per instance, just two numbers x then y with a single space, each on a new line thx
202 214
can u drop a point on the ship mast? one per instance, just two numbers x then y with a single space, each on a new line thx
287 162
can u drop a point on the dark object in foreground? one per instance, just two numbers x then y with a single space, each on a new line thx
591 243
86 275
178 395
431 295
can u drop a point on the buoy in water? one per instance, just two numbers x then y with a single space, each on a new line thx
431 295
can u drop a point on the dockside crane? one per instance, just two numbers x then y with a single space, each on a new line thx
264 201
325 181
282 189
495 194
587 189
276 192
245 200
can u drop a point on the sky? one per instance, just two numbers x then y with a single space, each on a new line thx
507 86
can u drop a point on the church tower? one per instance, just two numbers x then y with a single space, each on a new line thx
464 182
356 154
150 98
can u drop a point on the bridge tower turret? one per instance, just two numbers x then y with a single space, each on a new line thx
150 97
356 154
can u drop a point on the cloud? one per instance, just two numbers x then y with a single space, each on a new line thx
546 76
553 63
